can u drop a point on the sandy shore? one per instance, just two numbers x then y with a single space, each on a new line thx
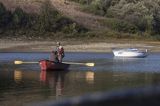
75 46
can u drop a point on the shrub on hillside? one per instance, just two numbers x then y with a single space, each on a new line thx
139 21
47 17
156 21
120 25
2 9
98 7
5 16
20 18
47 22
83 1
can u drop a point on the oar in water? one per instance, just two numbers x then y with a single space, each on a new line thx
87 64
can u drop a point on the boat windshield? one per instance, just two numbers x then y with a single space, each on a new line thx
132 49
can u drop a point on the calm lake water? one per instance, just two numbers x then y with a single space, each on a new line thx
26 83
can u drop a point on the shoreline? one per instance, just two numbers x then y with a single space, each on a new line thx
76 46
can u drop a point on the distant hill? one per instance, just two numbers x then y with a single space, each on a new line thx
103 18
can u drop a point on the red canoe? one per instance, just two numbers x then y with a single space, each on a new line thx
47 65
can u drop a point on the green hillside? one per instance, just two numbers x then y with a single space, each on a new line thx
102 19
134 16
46 23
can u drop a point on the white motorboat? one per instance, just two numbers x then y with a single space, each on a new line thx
129 52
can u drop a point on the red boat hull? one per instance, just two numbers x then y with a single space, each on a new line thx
47 65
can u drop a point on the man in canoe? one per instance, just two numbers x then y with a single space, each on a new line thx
60 52
54 56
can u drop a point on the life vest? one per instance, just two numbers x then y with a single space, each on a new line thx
60 50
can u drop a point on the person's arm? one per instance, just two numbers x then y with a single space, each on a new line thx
51 56
63 54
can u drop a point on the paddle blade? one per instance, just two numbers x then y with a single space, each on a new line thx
28 62
90 64
18 62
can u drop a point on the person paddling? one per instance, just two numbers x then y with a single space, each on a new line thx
60 52
54 56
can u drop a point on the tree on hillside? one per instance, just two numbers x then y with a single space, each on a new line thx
105 5
2 9
156 21
19 18
5 16
88 1
48 17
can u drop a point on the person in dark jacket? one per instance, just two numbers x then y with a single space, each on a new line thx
54 56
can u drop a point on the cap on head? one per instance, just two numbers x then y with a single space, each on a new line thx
58 43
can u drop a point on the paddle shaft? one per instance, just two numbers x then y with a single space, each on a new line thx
30 62
74 63
87 64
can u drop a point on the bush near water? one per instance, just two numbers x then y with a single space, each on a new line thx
135 19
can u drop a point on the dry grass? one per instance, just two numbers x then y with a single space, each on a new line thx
72 11
30 6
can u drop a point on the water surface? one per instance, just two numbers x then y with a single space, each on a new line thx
26 83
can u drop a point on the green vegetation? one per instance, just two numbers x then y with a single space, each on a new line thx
134 19
140 17
49 23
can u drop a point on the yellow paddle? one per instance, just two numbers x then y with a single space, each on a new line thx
21 62
87 64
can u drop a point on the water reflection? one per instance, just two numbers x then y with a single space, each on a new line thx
90 77
55 79
17 76
35 85
27 84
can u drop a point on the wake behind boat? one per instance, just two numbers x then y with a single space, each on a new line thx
129 52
